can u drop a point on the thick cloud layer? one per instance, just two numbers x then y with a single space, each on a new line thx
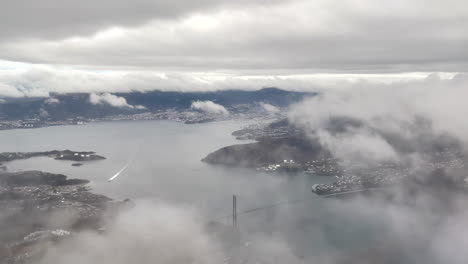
58 19
265 36
114 46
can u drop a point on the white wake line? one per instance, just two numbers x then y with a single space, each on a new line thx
118 173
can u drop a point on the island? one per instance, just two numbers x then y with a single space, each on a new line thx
56 154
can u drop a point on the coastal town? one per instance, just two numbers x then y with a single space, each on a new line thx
325 167
186 116
387 175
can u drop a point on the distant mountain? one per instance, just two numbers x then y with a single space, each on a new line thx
228 98
78 105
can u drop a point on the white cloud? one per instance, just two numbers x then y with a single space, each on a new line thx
358 146
110 99
209 107
270 108
41 80
52 100
9 91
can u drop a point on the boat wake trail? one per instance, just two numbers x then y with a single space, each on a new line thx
123 168
118 173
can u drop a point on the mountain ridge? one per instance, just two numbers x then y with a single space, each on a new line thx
74 105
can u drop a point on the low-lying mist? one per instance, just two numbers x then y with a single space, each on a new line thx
426 227
377 123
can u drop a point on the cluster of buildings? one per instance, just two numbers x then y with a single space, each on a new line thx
178 116
346 183
78 155
285 166
457 163
341 184
326 166
36 123
259 131
15 124
390 174
172 114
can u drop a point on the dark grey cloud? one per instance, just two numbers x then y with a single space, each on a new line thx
262 37
64 18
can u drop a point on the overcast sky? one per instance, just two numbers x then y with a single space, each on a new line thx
182 43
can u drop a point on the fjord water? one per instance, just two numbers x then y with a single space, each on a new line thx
164 162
